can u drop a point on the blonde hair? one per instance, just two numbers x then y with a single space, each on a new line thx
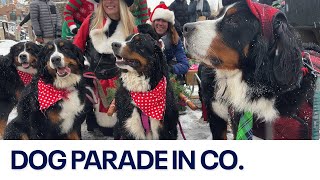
126 18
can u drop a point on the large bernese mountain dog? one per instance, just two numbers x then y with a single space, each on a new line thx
254 64
16 71
52 105
144 101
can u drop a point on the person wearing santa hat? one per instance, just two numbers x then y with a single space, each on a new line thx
163 21
112 21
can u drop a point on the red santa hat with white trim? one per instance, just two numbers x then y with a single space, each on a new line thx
162 12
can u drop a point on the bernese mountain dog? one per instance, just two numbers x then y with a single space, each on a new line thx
16 71
144 101
52 106
253 64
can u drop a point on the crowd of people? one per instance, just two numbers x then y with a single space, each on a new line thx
166 20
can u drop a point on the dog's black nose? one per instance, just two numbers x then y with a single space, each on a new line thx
188 28
56 60
115 45
23 56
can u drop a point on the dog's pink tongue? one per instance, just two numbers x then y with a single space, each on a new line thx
25 65
64 70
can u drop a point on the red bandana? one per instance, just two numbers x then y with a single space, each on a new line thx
49 95
152 103
25 77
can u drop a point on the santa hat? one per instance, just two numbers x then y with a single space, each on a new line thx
162 12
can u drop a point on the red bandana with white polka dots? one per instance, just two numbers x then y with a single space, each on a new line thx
25 77
49 95
153 102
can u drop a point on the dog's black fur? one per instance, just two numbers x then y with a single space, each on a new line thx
11 84
56 122
143 59
245 70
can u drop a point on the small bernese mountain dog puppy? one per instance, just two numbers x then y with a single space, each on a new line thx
52 105
254 64
145 102
16 71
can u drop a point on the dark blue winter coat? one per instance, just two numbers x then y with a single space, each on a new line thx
176 57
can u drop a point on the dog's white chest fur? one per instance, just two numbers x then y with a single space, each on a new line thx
71 107
232 90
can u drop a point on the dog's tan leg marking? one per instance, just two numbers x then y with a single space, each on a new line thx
3 124
24 137
73 136
53 116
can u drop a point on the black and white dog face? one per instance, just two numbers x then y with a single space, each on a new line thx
140 53
221 42
24 56
141 59
234 40
62 63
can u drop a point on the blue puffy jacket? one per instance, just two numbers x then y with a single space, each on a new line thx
176 58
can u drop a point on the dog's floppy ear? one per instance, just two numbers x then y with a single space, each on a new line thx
278 62
41 63
10 55
287 62
148 29
80 57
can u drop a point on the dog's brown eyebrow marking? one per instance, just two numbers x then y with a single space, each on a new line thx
50 46
137 38
61 44
231 11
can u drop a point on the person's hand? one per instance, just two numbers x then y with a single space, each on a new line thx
40 40
74 30
19 28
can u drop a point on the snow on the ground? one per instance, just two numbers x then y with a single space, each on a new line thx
193 126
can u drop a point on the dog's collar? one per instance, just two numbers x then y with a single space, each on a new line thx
25 77
153 102
48 95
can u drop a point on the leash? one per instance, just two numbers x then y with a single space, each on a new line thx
181 130
94 99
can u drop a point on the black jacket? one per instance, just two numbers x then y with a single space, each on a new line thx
180 9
